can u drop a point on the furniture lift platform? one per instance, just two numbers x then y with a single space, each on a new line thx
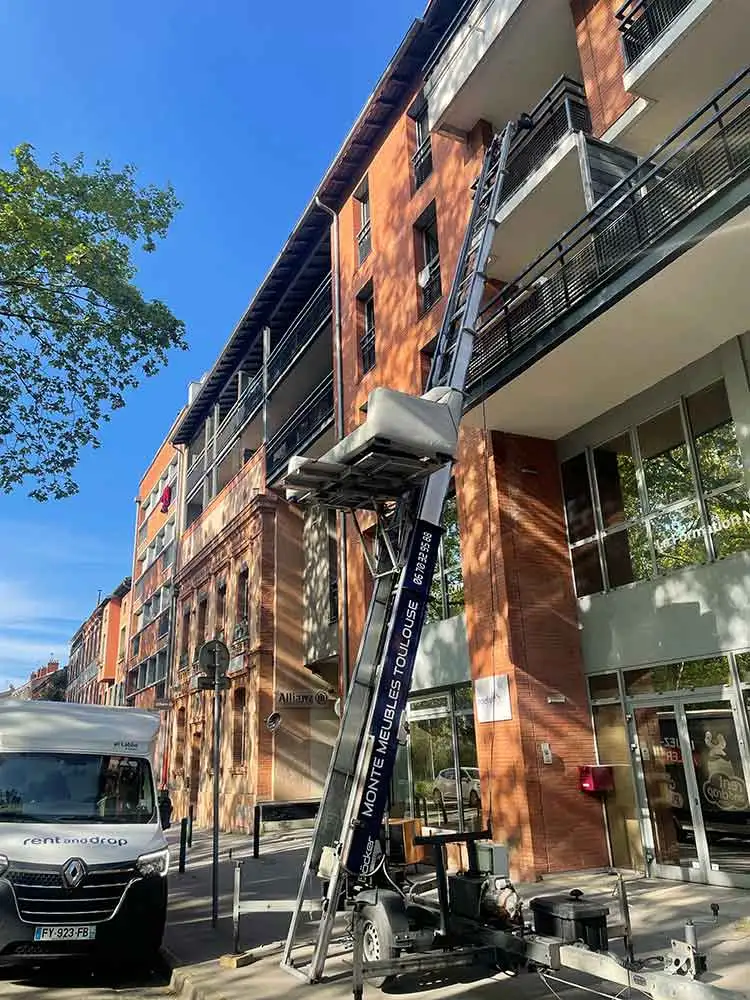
403 440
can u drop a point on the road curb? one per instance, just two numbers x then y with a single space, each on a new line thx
183 984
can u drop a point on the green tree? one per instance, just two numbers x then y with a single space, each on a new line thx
75 332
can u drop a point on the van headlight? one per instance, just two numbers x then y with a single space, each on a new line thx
155 863
4 865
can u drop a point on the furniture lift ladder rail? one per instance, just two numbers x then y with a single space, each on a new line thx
352 808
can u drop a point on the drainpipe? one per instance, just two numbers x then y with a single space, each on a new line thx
339 417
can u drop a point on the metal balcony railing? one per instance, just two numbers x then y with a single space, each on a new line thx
643 21
195 473
304 328
707 154
303 427
562 111
364 242
432 289
422 163
241 414
367 349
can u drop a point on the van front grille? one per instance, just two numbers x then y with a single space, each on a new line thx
43 897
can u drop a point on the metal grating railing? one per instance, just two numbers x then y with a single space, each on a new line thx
422 162
562 111
705 155
642 22
303 427
241 413
367 349
195 473
315 313
433 289
364 242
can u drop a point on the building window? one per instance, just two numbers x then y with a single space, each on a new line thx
333 572
422 159
179 741
661 496
242 604
200 636
366 319
185 636
239 727
221 609
364 234
447 592
428 259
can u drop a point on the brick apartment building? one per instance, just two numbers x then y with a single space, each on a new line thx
595 565
95 650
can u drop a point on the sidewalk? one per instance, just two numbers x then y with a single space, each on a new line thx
658 912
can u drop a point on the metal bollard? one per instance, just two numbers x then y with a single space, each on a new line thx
236 905
191 811
183 846
256 832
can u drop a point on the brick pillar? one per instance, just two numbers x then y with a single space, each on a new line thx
521 621
602 62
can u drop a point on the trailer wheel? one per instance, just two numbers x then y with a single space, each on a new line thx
381 925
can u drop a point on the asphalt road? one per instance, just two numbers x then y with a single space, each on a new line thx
71 982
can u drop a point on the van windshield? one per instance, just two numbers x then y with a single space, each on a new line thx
75 788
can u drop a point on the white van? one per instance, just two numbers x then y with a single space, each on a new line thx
83 857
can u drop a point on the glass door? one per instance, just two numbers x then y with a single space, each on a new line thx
691 768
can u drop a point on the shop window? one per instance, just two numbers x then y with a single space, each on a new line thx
658 497
686 675
613 748
239 727
603 686
447 593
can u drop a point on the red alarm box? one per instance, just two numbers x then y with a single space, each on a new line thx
596 778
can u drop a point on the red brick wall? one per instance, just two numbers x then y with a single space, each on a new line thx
521 621
601 60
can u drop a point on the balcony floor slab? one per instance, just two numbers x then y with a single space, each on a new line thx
643 328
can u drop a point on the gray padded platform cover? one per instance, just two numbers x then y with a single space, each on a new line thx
424 428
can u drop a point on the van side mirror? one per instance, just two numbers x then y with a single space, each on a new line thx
165 812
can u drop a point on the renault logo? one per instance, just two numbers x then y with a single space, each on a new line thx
73 873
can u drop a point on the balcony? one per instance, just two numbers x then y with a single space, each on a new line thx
246 407
677 53
305 431
629 294
481 69
554 173
301 333
195 473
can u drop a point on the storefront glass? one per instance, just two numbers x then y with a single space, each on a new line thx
681 800
436 776
663 495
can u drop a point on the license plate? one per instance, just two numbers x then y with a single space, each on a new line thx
68 932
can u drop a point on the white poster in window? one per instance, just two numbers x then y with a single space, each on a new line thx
492 696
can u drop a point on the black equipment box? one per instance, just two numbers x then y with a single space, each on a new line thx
571 919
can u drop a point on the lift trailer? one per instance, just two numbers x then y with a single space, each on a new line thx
396 467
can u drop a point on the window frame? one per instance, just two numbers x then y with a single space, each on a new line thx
699 499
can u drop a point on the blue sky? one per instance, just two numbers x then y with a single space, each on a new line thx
241 105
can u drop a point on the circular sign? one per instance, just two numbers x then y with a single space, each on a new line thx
214 655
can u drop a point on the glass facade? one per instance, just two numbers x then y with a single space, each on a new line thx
678 739
436 777
447 594
660 496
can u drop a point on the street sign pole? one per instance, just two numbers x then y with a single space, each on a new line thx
213 659
217 755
